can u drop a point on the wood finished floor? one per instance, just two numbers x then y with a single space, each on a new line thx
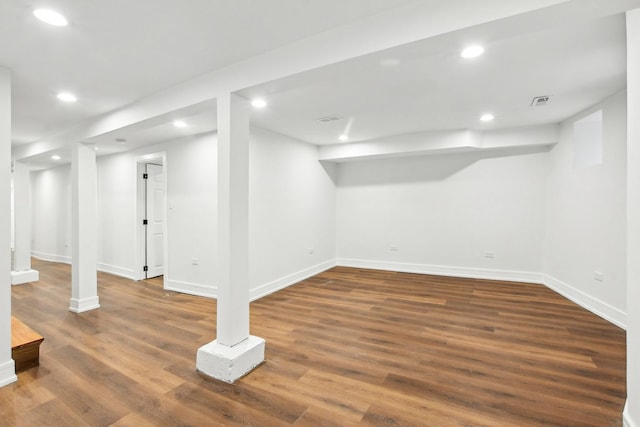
346 347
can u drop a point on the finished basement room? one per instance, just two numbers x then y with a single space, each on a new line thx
400 212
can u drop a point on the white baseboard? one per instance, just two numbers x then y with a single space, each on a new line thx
191 288
290 279
594 305
439 270
626 418
127 273
26 276
51 257
8 373
84 304
256 293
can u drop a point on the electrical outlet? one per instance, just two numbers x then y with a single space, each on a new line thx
393 248
194 261
489 254
599 276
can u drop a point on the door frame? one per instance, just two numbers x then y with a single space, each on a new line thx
140 203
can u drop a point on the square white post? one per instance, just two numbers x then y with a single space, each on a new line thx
632 409
7 366
234 353
84 211
22 271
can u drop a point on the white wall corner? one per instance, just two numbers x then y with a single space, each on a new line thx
22 277
209 291
8 373
228 364
594 305
291 279
85 304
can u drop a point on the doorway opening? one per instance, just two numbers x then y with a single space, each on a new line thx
151 217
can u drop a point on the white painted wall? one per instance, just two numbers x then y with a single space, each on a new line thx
51 213
632 409
116 213
191 218
191 227
292 209
443 213
585 216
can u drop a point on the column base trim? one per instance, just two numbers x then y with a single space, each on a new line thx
8 373
228 364
85 304
25 276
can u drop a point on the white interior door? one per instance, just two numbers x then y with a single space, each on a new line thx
155 192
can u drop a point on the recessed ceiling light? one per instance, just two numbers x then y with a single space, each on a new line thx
259 103
486 117
343 138
51 17
55 157
179 124
67 97
472 51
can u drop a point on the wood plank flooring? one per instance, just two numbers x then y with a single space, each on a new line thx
346 347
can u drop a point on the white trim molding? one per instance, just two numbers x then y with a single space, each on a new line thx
626 418
85 304
127 273
439 270
8 373
26 276
594 305
286 281
65 259
209 291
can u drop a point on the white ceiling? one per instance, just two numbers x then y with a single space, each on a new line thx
116 52
427 86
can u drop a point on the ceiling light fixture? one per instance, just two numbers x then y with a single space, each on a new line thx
51 17
343 138
55 157
487 117
67 97
472 51
258 103
179 124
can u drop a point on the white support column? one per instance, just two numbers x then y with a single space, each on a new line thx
22 271
7 367
234 353
632 408
84 211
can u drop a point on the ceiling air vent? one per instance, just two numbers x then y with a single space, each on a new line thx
329 119
539 101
